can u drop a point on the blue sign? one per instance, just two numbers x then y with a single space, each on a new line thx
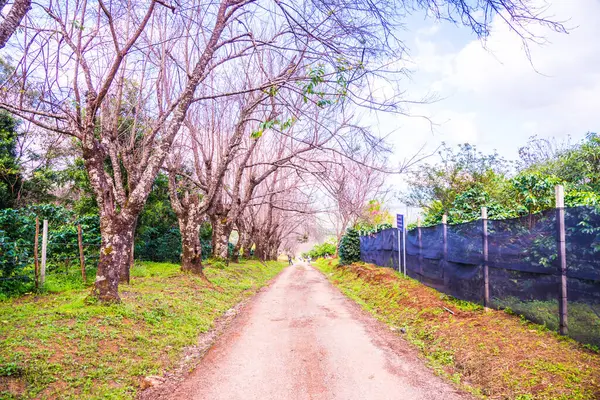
400 221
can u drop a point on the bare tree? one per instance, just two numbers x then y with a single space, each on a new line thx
112 82
349 184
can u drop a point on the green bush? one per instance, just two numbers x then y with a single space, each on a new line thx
349 247
326 248
17 235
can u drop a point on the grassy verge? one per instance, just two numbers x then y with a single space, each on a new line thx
55 345
490 353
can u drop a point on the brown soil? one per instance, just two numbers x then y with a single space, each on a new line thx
13 385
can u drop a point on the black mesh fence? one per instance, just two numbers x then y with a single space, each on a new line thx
523 264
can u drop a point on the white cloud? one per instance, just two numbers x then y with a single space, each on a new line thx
495 96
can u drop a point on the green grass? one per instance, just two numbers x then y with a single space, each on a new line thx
583 319
57 344
491 354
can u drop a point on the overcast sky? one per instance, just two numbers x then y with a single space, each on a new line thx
490 94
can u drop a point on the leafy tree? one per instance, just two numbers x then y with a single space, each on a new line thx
17 233
580 165
467 180
460 184
349 250
81 197
10 170
436 186
326 248
534 191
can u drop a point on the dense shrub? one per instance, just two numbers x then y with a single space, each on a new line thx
17 236
349 250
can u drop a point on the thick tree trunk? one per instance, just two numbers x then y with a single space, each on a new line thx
246 245
115 255
126 268
220 238
191 258
274 253
260 251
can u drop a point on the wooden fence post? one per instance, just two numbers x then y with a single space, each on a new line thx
44 249
444 245
36 261
81 256
420 245
562 258
486 271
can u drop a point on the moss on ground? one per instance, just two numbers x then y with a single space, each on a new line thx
56 345
492 354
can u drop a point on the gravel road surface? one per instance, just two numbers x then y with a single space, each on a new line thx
302 339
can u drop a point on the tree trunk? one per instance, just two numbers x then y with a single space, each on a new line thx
260 251
246 245
126 268
273 254
191 259
115 254
220 238
13 19
235 257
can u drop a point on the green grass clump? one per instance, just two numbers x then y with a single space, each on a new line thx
58 344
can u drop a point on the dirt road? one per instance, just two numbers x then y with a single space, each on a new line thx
302 339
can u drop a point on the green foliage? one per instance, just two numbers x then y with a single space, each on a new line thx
157 237
534 191
17 236
326 248
466 180
458 171
272 124
84 203
10 170
349 250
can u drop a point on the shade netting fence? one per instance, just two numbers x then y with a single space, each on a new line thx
523 265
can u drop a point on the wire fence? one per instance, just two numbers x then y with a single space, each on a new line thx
513 264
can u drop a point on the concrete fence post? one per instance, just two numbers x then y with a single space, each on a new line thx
486 272
81 255
44 250
36 259
562 258
420 246
444 246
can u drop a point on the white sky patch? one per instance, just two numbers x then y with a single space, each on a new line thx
496 97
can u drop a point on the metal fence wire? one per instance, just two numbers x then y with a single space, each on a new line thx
523 267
